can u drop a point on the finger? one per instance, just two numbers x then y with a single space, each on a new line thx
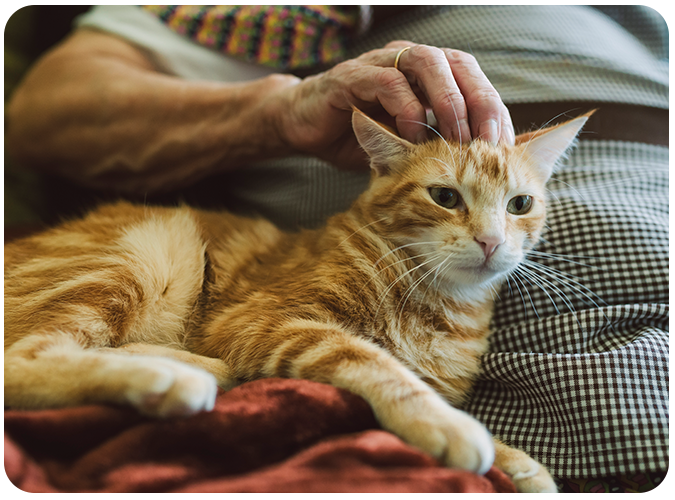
370 84
428 68
399 44
398 99
508 134
488 117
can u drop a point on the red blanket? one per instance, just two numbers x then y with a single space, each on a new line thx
267 436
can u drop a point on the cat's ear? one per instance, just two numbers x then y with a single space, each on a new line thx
383 146
545 147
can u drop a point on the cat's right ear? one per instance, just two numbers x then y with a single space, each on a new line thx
546 146
383 146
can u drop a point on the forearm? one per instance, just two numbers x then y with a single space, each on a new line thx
97 110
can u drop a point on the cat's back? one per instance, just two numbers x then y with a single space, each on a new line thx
140 269
114 228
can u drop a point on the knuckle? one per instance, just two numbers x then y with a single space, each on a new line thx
460 58
454 101
429 55
397 44
391 78
485 98
411 108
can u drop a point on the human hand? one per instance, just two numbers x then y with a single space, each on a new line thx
314 113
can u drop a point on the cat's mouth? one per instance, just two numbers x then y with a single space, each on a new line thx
483 272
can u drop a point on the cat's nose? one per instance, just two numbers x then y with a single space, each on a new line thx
489 244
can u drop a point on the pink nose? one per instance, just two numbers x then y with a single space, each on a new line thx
489 244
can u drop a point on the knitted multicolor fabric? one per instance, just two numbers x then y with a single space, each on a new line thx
280 36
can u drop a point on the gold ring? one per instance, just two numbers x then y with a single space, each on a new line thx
398 56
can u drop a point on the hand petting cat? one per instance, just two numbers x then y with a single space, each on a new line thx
111 117
397 84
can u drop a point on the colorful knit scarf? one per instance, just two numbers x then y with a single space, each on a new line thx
286 37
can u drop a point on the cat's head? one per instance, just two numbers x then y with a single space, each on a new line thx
468 213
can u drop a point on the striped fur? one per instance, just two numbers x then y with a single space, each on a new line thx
391 300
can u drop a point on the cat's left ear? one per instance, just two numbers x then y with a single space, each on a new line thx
545 147
383 146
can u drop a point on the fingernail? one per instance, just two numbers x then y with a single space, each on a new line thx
489 131
510 136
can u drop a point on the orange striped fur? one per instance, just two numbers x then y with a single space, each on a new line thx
391 300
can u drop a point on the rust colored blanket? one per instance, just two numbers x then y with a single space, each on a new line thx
267 436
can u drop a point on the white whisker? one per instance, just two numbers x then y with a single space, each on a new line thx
516 276
405 246
565 279
360 229
414 286
396 281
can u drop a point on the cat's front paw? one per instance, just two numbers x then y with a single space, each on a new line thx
165 388
535 479
467 443
451 435
528 475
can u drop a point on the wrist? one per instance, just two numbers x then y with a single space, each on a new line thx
273 112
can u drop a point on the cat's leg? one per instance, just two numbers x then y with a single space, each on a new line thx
216 367
402 403
54 370
527 474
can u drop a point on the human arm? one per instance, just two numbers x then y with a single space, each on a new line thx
96 109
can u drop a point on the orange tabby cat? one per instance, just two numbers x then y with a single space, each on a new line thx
392 300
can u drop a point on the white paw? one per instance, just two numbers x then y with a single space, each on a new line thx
165 388
534 479
472 448
451 435
528 475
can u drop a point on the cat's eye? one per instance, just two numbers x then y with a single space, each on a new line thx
445 197
520 205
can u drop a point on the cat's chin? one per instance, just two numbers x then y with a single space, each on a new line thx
477 276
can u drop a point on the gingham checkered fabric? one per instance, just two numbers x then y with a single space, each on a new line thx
577 373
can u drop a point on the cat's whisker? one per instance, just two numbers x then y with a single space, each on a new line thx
555 196
555 179
394 283
557 272
459 129
433 130
544 241
583 192
495 291
565 280
565 258
442 162
401 247
529 141
516 275
436 274
576 287
536 280
442 138
508 283
540 282
624 181
566 255
395 263
360 229
414 286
